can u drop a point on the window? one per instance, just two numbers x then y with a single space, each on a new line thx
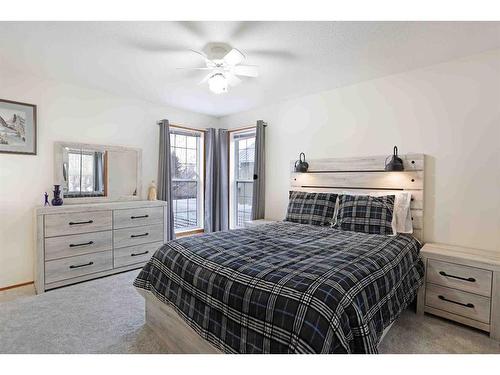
242 154
186 148
83 172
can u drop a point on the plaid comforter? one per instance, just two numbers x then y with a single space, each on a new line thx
287 287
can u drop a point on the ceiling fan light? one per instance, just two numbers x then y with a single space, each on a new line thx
217 84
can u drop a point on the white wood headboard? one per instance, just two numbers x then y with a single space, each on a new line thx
366 174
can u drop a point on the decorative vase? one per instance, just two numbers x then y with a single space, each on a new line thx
57 201
152 193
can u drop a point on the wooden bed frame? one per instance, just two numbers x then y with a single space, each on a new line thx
367 175
176 335
363 174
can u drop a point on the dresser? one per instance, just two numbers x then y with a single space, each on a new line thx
80 242
463 285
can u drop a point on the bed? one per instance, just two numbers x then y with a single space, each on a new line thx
286 287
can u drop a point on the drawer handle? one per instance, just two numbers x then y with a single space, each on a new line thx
82 265
139 217
469 279
469 305
139 235
81 244
80 222
136 254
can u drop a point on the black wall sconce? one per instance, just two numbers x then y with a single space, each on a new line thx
301 166
396 163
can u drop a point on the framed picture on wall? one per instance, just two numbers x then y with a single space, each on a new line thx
17 127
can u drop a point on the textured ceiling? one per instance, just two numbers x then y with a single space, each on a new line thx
139 59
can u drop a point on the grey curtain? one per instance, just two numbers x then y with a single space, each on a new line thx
98 172
165 177
222 219
216 180
259 173
211 171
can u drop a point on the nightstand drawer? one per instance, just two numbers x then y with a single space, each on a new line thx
469 279
457 302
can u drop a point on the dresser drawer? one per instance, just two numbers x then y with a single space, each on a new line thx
137 216
469 279
75 223
77 244
66 268
457 302
138 235
125 256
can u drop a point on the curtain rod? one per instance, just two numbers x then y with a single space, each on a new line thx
245 128
183 127
204 130
241 128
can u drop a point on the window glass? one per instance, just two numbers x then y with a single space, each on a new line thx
74 171
242 156
83 173
87 184
187 183
191 142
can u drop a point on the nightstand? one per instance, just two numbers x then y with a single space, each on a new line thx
254 223
463 285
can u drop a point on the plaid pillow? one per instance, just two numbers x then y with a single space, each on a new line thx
365 213
311 208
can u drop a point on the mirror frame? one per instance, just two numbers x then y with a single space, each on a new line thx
58 174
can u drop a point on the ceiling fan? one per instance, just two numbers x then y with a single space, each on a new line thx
224 64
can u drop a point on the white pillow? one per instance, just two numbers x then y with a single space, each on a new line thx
401 220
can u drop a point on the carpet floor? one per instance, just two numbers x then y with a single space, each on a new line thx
107 316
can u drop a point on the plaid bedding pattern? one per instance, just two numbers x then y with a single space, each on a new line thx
311 208
287 287
364 213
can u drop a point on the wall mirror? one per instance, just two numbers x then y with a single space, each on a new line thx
95 173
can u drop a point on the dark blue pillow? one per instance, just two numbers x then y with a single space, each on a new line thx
365 213
311 208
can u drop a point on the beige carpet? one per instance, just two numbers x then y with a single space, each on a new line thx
431 335
107 316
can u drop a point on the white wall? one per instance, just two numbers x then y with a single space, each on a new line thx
74 114
450 112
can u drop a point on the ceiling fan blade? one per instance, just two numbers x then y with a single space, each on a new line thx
207 77
246 70
208 62
232 80
199 53
155 46
275 54
234 57
194 68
